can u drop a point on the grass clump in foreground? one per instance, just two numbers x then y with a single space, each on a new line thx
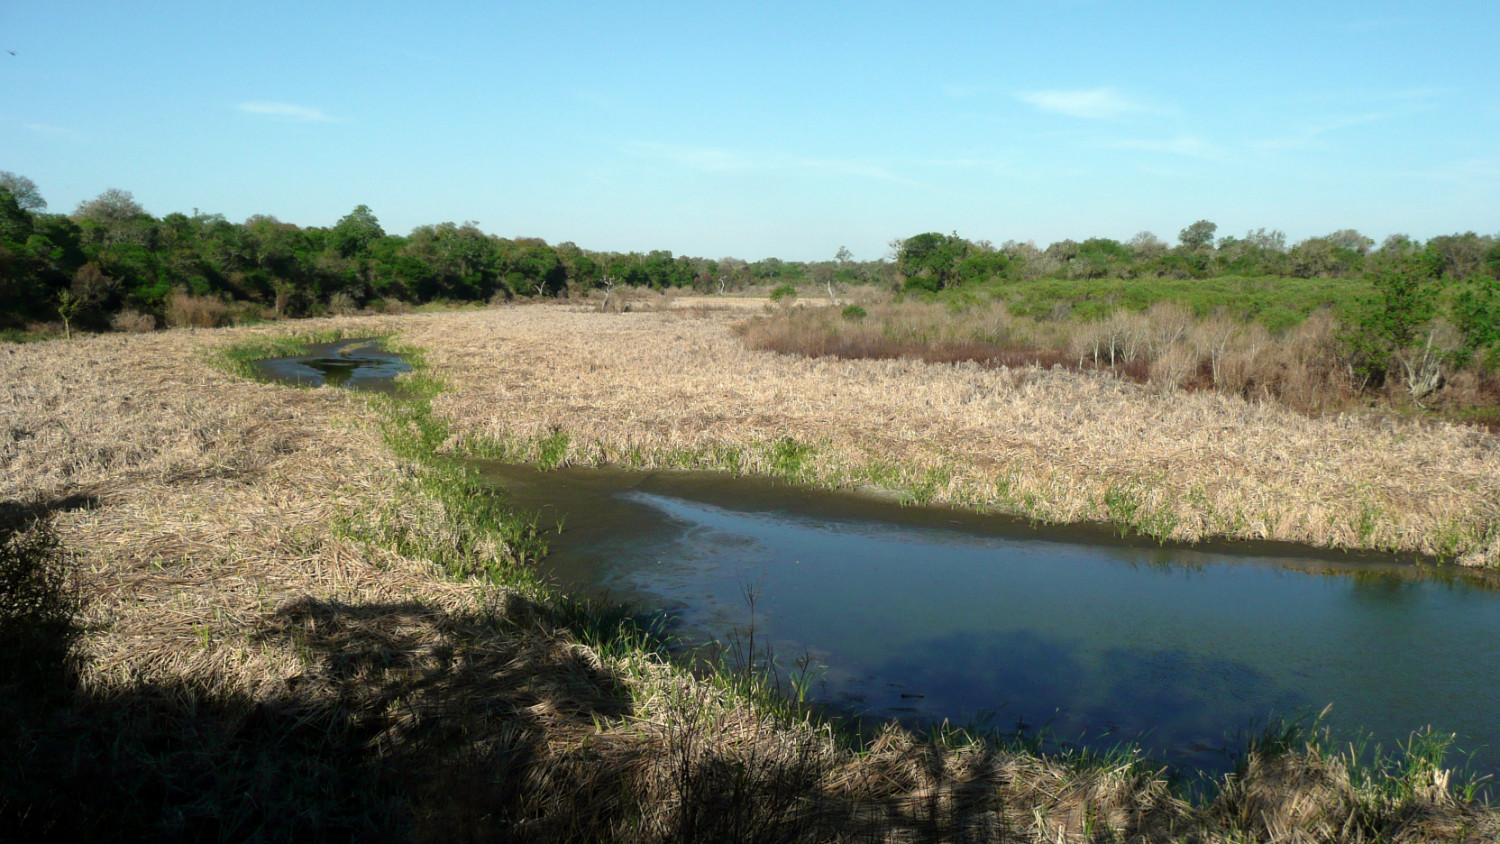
387 668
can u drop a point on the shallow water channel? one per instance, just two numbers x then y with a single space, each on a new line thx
927 614
350 364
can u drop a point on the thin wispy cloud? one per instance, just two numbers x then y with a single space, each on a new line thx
1089 103
707 159
51 131
1187 145
990 165
608 102
1470 173
718 160
1315 134
963 92
286 111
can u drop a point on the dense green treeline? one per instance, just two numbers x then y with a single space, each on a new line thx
1390 299
109 257
934 261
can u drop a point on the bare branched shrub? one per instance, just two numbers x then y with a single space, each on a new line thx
185 310
1167 346
1168 324
342 304
1174 368
133 322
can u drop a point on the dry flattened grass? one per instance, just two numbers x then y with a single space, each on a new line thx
228 621
214 500
1058 445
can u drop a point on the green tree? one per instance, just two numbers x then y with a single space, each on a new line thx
1098 257
1389 323
1146 247
1492 260
1198 236
68 306
1319 257
24 190
355 231
1351 240
535 271
1458 255
930 261
113 206
20 265
1476 312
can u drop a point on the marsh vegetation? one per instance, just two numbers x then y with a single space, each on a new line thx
1345 350
297 619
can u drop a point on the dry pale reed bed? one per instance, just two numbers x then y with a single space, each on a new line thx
246 669
225 617
665 389
202 501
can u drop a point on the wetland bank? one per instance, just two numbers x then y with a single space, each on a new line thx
282 579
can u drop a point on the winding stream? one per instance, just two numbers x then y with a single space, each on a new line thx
927 614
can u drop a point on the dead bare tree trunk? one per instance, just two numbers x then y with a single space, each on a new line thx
1424 373
608 283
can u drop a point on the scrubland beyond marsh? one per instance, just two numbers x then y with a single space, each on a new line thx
1317 359
291 618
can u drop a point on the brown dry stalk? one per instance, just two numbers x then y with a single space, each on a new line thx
211 500
1059 445
202 510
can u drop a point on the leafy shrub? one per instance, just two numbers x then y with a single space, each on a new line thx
785 291
1477 312
854 313
37 604
921 283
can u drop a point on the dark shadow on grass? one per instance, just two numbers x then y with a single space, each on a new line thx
408 722
397 706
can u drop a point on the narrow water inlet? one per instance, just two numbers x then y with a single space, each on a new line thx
349 364
927 615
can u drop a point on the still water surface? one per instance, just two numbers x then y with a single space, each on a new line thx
928 614
351 364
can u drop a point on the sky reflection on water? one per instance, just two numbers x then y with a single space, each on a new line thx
981 620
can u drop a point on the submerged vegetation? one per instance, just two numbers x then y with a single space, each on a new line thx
292 618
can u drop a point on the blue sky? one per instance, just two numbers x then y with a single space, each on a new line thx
761 129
